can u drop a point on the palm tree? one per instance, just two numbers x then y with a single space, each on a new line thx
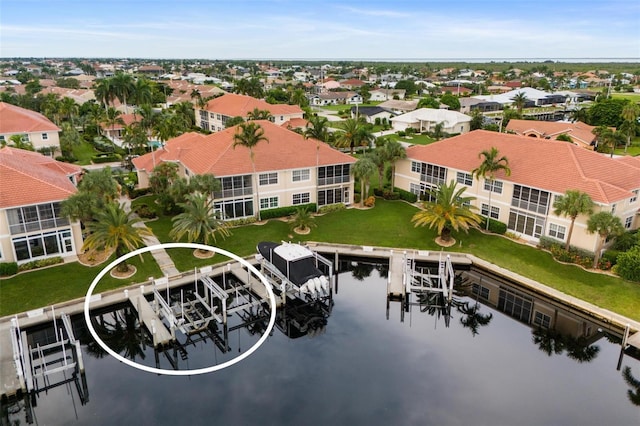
634 393
104 92
68 108
606 225
317 128
18 141
450 211
259 114
249 135
199 222
299 98
378 158
302 221
123 88
393 151
186 112
114 228
630 114
572 204
142 92
605 137
491 164
362 170
113 117
519 101
354 133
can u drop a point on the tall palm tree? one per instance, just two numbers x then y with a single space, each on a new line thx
449 211
104 92
519 101
142 91
249 135
123 88
491 163
572 204
199 222
113 117
114 228
393 151
68 108
317 128
362 170
379 159
354 133
606 225
629 126
634 392
606 138
299 98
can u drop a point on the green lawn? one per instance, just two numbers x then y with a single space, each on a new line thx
628 95
413 140
387 225
84 152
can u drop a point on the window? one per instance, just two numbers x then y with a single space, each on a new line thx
268 179
268 203
493 186
302 198
433 174
43 244
217 116
634 197
35 218
45 136
203 115
422 190
557 231
415 167
480 291
525 223
330 175
613 208
464 178
300 175
205 125
233 209
530 199
627 222
515 304
495 211
235 186
333 196
542 320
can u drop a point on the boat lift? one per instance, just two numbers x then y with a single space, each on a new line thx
286 288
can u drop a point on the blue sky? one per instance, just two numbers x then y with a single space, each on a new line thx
304 29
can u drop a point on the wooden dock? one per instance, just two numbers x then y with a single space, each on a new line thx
161 335
11 382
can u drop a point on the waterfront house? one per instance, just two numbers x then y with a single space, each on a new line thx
425 119
540 172
290 170
31 227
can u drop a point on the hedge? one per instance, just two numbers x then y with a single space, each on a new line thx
406 195
40 263
286 211
105 158
495 226
8 268
628 266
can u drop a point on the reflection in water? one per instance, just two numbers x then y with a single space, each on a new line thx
552 342
634 392
122 331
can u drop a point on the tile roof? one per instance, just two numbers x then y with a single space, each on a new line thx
234 105
578 131
553 166
31 178
215 153
14 119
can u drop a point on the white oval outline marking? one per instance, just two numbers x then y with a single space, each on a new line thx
272 305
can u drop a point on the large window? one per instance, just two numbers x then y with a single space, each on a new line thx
268 179
234 186
35 218
525 223
430 173
43 244
333 196
493 186
464 178
542 320
302 198
628 221
557 231
300 175
268 203
515 304
330 175
234 209
480 291
530 199
422 190
495 211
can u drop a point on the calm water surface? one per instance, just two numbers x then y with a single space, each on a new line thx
365 369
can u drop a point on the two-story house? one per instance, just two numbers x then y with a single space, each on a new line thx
540 172
289 169
214 115
30 125
31 227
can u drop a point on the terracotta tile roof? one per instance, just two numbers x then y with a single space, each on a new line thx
14 119
31 178
234 105
579 132
295 123
553 166
215 153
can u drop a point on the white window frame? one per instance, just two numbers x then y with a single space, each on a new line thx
265 179
634 198
416 167
495 211
301 175
627 222
269 203
301 198
45 136
464 178
493 186
557 231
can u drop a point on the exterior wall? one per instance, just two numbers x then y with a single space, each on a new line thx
503 202
216 121
39 139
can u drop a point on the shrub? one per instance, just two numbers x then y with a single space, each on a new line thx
547 242
495 226
105 158
145 212
331 208
356 197
402 133
67 158
370 201
627 240
387 194
135 193
286 211
8 268
610 256
406 195
40 263
628 266
241 222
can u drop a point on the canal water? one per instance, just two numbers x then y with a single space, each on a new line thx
364 361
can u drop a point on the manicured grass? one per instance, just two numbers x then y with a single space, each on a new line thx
388 224
84 152
628 95
413 140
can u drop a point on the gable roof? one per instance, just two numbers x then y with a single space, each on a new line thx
14 119
553 166
579 132
39 178
234 105
449 118
215 153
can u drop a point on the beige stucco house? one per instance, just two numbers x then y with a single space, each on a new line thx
32 126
